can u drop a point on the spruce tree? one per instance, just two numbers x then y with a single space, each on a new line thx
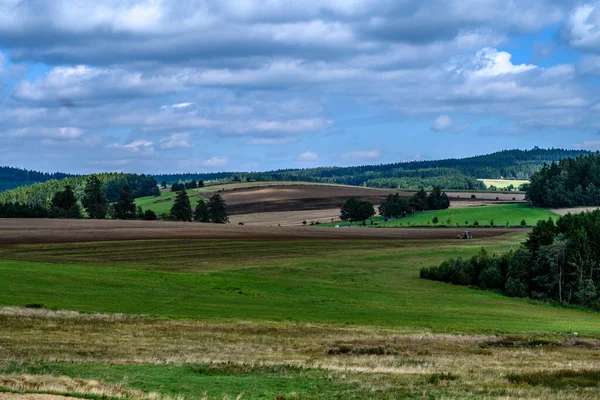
201 213
182 209
217 210
125 207
94 200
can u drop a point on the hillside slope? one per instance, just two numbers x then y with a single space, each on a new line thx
11 178
459 174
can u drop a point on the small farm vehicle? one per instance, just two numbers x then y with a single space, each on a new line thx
465 235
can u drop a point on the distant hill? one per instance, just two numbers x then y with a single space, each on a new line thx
11 178
449 173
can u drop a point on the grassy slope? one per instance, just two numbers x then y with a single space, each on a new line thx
362 283
512 214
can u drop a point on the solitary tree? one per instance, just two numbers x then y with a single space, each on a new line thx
163 184
182 209
435 220
201 213
217 209
94 200
125 207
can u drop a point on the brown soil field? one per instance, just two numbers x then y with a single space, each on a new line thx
574 210
16 231
307 197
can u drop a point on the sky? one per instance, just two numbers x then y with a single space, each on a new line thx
157 86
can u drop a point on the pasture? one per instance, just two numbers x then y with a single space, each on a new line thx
282 313
502 184
509 215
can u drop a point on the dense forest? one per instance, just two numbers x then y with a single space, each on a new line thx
11 178
447 174
40 194
569 183
558 262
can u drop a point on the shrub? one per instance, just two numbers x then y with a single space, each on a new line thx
476 223
240 223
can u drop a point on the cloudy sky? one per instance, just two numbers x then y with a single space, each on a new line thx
208 85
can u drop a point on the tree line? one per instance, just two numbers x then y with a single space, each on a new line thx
355 210
41 194
11 178
569 183
558 262
458 174
212 211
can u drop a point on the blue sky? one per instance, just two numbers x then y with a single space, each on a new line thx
160 86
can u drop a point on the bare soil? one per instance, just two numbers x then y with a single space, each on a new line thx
17 231
322 197
574 210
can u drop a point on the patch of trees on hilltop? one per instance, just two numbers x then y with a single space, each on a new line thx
11 178
569 183
41 194
458 174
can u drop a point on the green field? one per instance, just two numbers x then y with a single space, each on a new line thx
336 282
285 319
502 184
501 215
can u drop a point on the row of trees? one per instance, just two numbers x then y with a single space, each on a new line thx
178 186
568 183
355 210
214 211
65 204
559 261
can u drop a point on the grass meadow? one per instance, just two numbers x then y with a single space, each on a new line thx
281 319
503 183
498 215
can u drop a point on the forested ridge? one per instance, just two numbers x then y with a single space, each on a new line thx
11 178
41 194
569 183
447 174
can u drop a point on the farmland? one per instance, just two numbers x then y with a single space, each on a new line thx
502 184
287 203
267 312
500 215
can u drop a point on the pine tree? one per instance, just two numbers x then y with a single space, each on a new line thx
125 207
201 213
217 210
94 200
182 209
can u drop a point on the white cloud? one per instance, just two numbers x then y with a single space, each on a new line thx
370 155
176 141
178 105
491 63
135 147
271 141
215 162
307 156
444 123
50 133
587 145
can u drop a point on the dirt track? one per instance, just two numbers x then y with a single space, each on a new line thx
15 231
